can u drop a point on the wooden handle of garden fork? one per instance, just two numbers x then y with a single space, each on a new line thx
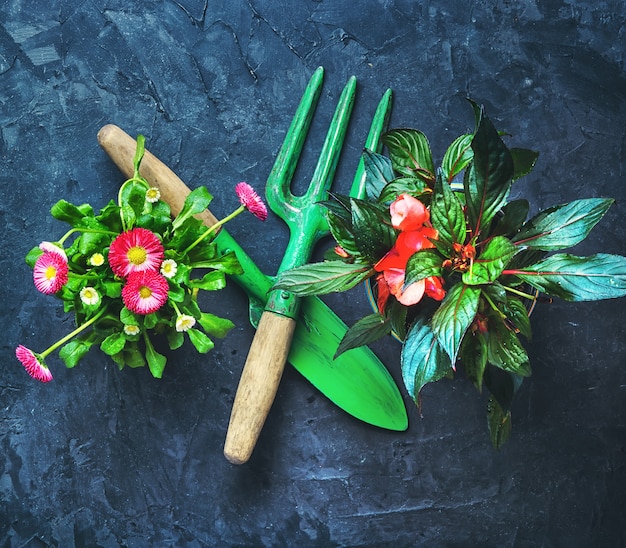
121 148
258 385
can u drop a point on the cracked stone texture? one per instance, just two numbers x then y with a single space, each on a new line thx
108 458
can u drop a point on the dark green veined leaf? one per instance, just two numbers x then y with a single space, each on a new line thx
410 154
572 278
322 278
113 344
502 385
214 325
473 356
202 343
523 161
378 172
457 157
367 330
499 423
196 202
505 350
211 281
423 360
492 260
423 264
402 185
564 225
513 216
489 179
373 234
446 213
517 313
72 352
341 231
454 316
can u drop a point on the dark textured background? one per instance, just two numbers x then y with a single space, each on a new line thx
107 458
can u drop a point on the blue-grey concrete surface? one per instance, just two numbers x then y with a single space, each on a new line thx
106 458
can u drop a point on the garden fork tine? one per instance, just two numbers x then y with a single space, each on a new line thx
268 353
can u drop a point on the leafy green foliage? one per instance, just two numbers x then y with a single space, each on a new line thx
120 333
489 260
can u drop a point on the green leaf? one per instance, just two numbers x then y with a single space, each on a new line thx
490 176
513 216
517 313
564 225
505 350
227 263
365 331
176 292
378 172
457 157
422 264
491 262
113 344
473 356
454 315
133 201
572 278
68 213
214 325
446 213
502 385
140 150
196 202
156 361
175 339
423 360
523 161
373 234
322 278
73 351
402 185
212 281
410 154
32 256
499 423
202 343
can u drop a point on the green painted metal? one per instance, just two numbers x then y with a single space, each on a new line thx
356 381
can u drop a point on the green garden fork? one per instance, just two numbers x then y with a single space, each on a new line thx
304 216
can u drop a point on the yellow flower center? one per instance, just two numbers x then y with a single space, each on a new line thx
89 294
145 292
137 255
51 272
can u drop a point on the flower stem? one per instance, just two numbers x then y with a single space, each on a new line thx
83 231
214 228
76 331
520 293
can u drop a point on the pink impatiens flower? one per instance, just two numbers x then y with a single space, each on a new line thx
50 272
135 250
33 365
412 218
145 292
251 200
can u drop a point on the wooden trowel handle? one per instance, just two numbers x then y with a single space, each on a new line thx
121 148
258 385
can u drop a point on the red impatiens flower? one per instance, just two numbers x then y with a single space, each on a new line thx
251 200
145 292
50 272
33 364
135 250
411 217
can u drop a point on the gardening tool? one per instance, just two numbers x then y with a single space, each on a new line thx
307 224
356 381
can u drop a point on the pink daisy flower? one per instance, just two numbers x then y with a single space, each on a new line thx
34 366
49 246
50 272
145 292
135 250
251 200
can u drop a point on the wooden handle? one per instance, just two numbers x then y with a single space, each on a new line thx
121 148
258 385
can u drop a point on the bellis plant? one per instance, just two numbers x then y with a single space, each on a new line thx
452 265
130 273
